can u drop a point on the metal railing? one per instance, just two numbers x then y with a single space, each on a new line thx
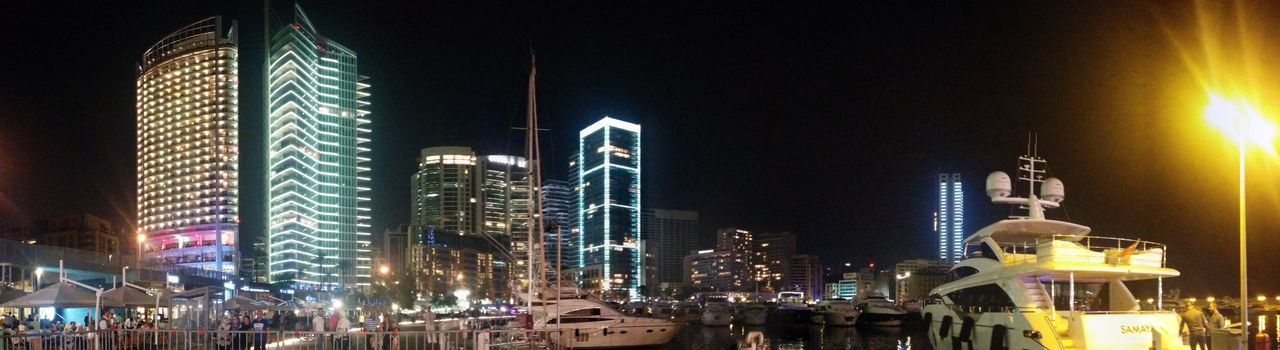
1099 249
174 339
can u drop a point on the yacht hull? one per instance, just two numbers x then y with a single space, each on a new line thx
839 319
615 336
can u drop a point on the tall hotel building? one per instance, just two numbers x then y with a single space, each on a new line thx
188 148
610 259
317 159
949 220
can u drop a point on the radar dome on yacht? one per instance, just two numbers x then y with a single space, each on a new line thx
998 185
1052 190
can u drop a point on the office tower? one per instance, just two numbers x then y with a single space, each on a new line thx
502 182
609 181
949 220
558 203
671 234
805 275
775 251
318 130
443 197
395 245
715 270
915 278
188 148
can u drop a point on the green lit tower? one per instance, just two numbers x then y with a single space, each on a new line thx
318 129
610 257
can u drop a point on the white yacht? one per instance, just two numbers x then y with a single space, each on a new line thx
752 314
792 309
876 310
717 311
591 324
1034 283
836 312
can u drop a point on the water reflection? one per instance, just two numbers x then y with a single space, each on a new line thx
808 337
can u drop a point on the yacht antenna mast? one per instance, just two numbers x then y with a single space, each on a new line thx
1031 169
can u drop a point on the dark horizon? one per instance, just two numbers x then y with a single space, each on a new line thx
831 123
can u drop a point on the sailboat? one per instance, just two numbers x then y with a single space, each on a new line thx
573 319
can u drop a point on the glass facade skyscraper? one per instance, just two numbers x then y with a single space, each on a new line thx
558 203
189 148
609 207
949 220
443 197
318 129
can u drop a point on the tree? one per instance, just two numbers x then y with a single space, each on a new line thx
407 289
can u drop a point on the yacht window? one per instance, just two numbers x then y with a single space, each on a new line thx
989 253
961 272
580 319
1090 295
583 312
983 298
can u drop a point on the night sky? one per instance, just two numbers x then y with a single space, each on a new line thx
831 123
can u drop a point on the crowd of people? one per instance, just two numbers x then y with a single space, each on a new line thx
234 330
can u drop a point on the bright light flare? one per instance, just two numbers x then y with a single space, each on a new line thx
1241 122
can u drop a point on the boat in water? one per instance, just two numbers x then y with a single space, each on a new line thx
717 311
876 310
592 324
792 309
1029 282
751 314
836 312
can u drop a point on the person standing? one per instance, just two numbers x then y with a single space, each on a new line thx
1216 320
1196 325
344 326
317 326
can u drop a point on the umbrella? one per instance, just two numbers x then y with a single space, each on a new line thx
60 295
8 295
131 297
246 304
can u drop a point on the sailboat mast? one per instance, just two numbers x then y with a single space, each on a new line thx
534 155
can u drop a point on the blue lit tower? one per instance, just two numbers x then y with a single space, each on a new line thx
949 220
609 183
318 173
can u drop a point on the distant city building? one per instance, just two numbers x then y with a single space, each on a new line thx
715 270
558 204
949 219
873 280
609 204
671 234
917 277
188 148
454 263
805 275
502 182
775 251
395 245
80 231
846 288
253 264
444 197
318 159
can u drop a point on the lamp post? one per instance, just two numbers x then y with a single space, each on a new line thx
1245 125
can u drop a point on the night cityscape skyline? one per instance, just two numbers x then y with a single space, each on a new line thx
830 127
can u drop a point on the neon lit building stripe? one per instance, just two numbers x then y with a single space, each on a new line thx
188 148
949 220
318 154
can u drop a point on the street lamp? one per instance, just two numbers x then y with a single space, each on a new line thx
1246 125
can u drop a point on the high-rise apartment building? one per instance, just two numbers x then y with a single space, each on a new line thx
188 148
558 203
949 220
715 270
444 198
775 251
395 245
670 234
502 182
609 183
318 174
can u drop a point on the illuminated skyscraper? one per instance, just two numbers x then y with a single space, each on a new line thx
609 181
318 129
949 220
443 198
558 203
189 149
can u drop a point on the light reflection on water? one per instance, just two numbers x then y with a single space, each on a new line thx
808 337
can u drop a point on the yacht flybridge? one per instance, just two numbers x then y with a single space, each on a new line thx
1029 282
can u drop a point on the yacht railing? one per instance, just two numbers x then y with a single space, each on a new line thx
1087 249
